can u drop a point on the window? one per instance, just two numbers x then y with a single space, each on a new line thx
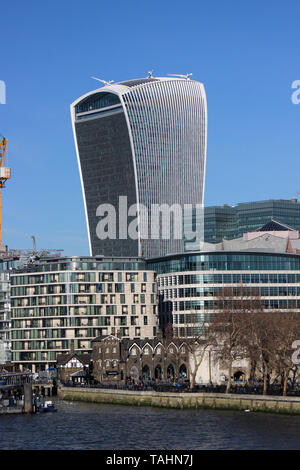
133 351
107 350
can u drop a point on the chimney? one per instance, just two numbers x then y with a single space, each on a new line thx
72 350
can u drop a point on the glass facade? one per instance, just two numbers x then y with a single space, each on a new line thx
189 283
228 222
107 172
145 150
222 261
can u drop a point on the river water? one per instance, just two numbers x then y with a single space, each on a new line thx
86 426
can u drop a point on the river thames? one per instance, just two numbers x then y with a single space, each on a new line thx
86 426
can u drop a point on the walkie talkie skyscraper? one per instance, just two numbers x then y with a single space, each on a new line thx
141 148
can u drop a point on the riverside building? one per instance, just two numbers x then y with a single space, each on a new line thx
144 141
268 260
58 301
8 261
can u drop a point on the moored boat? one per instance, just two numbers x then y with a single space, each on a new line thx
47 407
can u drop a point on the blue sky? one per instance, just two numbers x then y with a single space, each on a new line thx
245 52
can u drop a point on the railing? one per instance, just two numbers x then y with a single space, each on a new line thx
15 378
184 387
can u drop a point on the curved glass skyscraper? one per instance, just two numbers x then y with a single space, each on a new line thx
141 148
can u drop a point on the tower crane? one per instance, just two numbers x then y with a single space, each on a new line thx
4 175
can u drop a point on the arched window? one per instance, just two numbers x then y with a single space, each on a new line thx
171 372
158 372
146 373
183 372
239 376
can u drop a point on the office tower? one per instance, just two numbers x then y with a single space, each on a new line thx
141 144
230 222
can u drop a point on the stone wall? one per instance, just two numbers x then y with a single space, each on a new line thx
283 405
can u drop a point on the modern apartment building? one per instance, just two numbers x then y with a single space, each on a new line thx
58 301
4 317
144 141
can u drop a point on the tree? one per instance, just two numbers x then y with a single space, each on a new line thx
286 330
197 340
228 329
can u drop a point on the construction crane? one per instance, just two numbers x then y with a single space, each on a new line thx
4 176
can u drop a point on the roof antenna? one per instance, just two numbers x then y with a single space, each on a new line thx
150 74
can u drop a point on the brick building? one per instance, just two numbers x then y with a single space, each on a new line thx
116 359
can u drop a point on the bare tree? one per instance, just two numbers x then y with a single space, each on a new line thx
197 340
286 329
228 328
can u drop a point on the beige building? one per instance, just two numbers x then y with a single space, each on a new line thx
60 300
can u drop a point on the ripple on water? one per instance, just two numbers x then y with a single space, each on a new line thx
85 426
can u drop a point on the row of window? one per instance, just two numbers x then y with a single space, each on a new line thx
80 288
77 277
271 291
264 278
228 262
82 299
88 310
134 351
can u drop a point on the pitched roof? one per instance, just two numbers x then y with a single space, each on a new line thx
63 359
274 226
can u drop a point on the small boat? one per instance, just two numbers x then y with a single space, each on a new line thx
47 407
